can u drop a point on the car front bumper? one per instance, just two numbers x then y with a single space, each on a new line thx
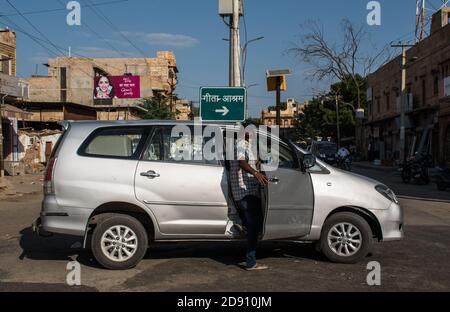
391 222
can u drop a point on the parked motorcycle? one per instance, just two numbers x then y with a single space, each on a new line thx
344 163
416 168
443 179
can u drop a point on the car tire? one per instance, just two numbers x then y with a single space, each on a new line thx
119 251
357 227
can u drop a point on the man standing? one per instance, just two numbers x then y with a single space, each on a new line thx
246 181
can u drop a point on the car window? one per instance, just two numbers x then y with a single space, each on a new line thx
285 157
183 148
118 142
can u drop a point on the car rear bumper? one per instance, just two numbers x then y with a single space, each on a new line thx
56 219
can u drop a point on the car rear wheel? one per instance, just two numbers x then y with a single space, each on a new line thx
119 242
346 238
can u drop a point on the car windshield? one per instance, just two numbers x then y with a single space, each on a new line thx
327 148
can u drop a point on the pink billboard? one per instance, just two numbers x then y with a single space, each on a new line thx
117 87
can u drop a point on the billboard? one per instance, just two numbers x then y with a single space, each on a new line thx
117 87
9 85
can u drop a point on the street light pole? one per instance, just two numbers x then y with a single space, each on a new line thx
235 45
244 56
338 122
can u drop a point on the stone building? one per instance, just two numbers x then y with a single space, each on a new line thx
12 90
7 52
288 116
428 105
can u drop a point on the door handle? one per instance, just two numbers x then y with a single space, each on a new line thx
150 174
274 180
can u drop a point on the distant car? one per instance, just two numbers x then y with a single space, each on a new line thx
123 186
325 151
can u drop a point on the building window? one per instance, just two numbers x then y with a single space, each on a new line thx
436 85
424 92
63 83
378 105
5 65
388 101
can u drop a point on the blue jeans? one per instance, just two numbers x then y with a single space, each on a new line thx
250 208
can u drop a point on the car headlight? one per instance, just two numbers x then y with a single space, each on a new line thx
387 192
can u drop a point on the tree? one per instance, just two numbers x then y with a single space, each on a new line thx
318 118
251 121
344 61
157 108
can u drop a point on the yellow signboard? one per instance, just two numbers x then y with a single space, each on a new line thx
272 83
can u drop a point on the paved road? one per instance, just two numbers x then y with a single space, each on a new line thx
419 263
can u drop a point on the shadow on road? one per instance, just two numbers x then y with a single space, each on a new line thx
57 247
66 248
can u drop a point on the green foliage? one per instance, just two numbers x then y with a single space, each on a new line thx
283 106
319 116
157 108
251 121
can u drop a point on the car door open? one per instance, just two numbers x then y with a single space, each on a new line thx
289 197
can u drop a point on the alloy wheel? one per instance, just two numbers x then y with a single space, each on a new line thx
344 239
119 243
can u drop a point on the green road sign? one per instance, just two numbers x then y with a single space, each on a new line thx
223 104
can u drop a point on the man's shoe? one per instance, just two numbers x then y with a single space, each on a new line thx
258 267
242 229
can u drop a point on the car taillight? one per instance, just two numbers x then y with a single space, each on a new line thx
48 181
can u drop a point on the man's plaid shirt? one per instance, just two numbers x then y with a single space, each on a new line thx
243 183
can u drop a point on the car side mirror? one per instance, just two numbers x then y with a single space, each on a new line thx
309 161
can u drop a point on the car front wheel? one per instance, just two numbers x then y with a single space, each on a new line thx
346 238
119 242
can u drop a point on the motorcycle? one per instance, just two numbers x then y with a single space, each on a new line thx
344 163
416 168
443 179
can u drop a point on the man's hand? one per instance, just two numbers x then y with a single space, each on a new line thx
262 178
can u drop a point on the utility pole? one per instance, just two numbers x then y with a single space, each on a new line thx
403 100
338 122
235 47
2 164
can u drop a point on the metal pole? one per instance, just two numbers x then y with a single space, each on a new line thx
403 101
278 107
236 46
338 123
2 164
403 106
230 54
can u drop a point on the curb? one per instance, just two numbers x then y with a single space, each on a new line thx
373 167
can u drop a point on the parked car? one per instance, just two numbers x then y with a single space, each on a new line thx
325 151
122 186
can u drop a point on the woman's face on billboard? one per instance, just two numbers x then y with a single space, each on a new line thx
103 84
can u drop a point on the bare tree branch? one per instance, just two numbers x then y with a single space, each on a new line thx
341 62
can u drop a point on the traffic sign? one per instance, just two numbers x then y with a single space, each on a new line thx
223 104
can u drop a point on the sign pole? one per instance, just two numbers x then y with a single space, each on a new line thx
278 104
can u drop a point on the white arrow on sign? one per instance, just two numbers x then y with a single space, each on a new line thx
224 111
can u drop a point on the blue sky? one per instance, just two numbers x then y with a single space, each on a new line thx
194 31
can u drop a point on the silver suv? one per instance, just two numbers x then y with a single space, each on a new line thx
118 184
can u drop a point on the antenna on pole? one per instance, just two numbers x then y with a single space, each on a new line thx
420 20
